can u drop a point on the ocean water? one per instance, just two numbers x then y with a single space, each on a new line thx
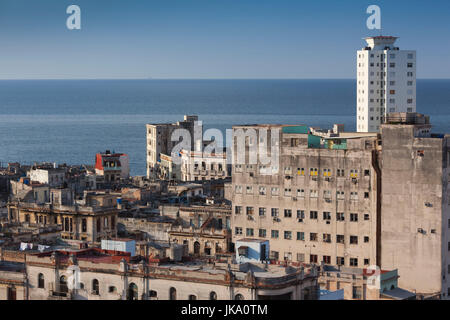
69 121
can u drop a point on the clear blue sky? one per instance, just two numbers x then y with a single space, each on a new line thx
212 38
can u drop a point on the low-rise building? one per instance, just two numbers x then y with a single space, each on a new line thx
96 275
112 166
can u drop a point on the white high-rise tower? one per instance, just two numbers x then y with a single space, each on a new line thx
386 82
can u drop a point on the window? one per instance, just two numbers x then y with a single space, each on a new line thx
287 213
410 65
274 212
287 192
238 231
366 239
238 189
288 235
366 262
313 172
239 297
301 171
237 210
262 191
172 294
357 292
313 258
301 215
249 190
313 215
274 255
313 236
249 210
192 297
300 257
340 172
262 233
313 194
340 261
274 234
274 191
366 195
301 193
327 238
340 195
301 236
340 216
41 282
326 215
340 238
249 232
212 295
353 239
353 262
262 212
95 287
112 289
326 259
353 217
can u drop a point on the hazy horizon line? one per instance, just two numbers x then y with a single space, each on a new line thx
150 78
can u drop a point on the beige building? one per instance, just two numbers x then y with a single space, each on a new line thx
95 275
318 203
415 218
200 166
363 284
205 230
90 222
13 281
159 141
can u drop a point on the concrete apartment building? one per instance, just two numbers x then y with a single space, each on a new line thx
415 220
386 82
201 166
159 141
354 200
318 204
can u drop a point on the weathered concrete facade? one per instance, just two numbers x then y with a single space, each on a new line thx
415 204
87 223
159 141
106 277
200 166
319 203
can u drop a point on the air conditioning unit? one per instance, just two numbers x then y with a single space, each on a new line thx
276 219
294 199
300 220
328 222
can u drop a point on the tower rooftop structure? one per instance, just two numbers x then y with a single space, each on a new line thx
381 42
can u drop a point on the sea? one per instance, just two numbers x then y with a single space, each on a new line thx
69 121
